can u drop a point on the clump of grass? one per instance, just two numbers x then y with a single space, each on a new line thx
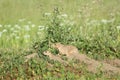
59 28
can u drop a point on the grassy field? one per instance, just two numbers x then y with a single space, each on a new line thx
93 26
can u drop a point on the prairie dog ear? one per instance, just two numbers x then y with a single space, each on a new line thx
55 45
58 44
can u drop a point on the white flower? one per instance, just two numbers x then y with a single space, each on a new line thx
79 16
104 21
33 25
17 26
46 28
47 14
41 28
17 37
13 34
64 15
21 20
0 25
93 23
27 28
61 24
93 1
26 36
12 29
107 21
38 33
4 30
112 20
29 22
69 28
0 34
112 14
8 25
118 27
59 17
72 23
67 22
15 31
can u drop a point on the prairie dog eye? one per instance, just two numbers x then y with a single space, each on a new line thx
55 45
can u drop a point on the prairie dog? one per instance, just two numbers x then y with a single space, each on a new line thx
67 50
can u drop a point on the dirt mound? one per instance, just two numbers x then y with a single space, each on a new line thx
72 52
113 62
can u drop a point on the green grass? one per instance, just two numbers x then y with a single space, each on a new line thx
82 12
92 26
13 67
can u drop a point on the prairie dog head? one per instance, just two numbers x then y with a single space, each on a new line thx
57 45
47 53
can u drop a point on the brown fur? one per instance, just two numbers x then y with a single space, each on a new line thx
28 57
67 50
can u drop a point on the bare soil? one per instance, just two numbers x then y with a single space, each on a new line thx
107 66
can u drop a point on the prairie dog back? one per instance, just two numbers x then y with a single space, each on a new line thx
68 50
